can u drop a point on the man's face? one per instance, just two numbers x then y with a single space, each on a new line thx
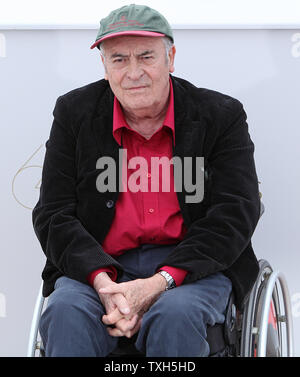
137 69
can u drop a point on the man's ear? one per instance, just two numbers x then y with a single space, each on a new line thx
105 74
172 53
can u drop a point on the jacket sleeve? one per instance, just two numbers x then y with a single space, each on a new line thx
63 238
217 239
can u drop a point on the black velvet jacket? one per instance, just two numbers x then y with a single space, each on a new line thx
71 217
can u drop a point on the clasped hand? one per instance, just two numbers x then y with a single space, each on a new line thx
125 303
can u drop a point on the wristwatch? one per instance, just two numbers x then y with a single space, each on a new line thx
170 281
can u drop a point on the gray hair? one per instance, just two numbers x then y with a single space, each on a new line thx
167 42
168 45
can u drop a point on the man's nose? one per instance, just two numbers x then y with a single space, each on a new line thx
134 70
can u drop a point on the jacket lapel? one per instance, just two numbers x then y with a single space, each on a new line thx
189 136
102 126
186 129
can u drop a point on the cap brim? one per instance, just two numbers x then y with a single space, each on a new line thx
142 33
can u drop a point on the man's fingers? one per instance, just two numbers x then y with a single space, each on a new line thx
126 328
112 318
127 325
121 303
115 332
122 308
118 297
136 328
117 288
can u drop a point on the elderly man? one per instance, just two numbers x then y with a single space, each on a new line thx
132 258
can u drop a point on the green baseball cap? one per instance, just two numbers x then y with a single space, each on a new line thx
133 20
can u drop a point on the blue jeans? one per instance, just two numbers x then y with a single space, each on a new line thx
174 326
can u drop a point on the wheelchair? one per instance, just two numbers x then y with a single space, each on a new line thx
263 329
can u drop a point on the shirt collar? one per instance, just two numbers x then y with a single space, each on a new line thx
119 121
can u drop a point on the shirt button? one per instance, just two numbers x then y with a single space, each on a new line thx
151 210
110 203
148 175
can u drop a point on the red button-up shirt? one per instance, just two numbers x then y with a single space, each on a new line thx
147 210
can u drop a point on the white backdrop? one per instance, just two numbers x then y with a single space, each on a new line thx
188 14
260 67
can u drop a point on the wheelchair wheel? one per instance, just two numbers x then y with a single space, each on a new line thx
35 345
263 321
